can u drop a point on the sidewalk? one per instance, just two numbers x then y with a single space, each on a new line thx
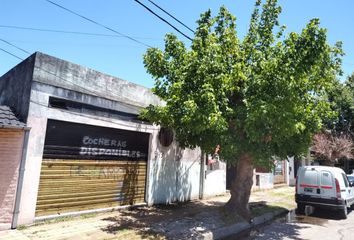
204 219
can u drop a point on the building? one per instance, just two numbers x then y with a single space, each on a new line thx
87 148
13 138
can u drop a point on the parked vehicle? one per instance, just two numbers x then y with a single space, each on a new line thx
324 187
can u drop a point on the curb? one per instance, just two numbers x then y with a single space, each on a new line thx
239 227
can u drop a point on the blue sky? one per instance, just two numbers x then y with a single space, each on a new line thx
122 57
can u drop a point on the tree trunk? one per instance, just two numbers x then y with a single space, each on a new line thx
241 188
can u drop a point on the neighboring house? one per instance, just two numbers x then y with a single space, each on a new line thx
13 135
262 178
88 150
284 171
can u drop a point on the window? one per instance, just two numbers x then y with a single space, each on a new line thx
80 107
326 178
310 177
345 180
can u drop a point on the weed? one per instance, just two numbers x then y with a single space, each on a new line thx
22 227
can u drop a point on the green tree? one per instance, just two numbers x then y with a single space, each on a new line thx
257 97
342 99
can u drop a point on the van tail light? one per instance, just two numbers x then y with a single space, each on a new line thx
337 189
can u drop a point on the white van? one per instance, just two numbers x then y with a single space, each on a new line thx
323 187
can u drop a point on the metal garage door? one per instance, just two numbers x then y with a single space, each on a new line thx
87 167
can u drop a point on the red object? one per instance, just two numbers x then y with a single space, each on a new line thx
337 189
315 186
309 185
211 161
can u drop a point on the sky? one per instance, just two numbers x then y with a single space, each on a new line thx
122 57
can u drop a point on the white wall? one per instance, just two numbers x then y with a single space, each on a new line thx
265 181
173 175
290 171
215 181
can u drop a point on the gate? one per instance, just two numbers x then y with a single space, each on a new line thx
87 167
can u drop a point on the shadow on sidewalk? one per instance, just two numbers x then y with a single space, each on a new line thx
165 221
179 221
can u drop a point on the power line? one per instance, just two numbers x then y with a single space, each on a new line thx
55 75
67 32
21 49
97 23
161 18
171 16
11 54
89 91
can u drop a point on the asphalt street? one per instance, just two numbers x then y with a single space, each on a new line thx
322 224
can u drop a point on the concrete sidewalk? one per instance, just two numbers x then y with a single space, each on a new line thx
203 219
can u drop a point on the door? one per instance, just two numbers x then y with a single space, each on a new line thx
327 185
11 143
279 173
88 167
309 182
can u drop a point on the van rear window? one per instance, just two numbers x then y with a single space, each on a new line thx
310 177
326 178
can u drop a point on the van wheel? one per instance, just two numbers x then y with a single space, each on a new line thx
344 213
300 208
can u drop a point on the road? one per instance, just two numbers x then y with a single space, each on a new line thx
322 225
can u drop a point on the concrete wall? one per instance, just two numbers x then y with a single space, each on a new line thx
15 87
290 171
265 181
215 180
85 98
56 72
174 174
11 144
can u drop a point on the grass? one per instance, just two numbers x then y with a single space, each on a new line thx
64 219
265 209
22 227
275 199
